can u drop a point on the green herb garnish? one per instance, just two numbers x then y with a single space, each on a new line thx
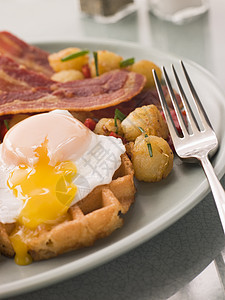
127 62
96 62
141 129
75 55
115 123
148 144
119 115
6 124
149 149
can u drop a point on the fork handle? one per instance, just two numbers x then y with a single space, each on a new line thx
216 187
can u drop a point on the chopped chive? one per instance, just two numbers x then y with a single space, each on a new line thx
141 129
127 62
115 122
148 144
119 115
149 149
96 62
75 55
6 124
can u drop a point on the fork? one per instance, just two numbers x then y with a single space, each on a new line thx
198 139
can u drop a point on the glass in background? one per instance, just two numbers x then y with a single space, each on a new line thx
178 11
107 11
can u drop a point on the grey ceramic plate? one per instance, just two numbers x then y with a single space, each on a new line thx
157 205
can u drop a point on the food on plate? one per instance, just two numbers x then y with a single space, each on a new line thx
107 61
146 130
50 162
67 75
56 60
102 62
145 68
149 119
24 91
145 97
152 166
29 56
65 182
105 126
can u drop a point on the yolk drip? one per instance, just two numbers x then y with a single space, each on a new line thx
47 192
22 257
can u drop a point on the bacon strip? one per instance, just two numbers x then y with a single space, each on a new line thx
145 97
31 57
22 90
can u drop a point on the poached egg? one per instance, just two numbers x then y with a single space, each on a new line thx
48 162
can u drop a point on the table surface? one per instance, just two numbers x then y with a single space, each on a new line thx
186 261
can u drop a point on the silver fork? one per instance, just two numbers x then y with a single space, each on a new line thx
198 139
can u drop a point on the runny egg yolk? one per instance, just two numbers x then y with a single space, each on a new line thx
47 192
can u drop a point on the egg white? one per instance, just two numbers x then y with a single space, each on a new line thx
95 167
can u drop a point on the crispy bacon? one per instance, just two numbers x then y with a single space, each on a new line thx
22 90
145 97
16 77
31 57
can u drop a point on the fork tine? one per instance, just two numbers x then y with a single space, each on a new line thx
193 124
175 103
203 116
169 120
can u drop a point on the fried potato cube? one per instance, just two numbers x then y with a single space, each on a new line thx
106 125
107 61
145 67
147 118
67 75
151 168
75 63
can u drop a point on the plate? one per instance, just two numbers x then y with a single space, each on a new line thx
157 205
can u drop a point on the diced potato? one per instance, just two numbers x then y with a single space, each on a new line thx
145 67
151 168
75 63
106 125
107 61
67 75
147 118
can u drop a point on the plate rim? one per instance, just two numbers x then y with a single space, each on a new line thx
66 271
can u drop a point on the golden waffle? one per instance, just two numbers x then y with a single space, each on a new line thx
94 217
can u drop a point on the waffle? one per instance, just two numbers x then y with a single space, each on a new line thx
94 217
